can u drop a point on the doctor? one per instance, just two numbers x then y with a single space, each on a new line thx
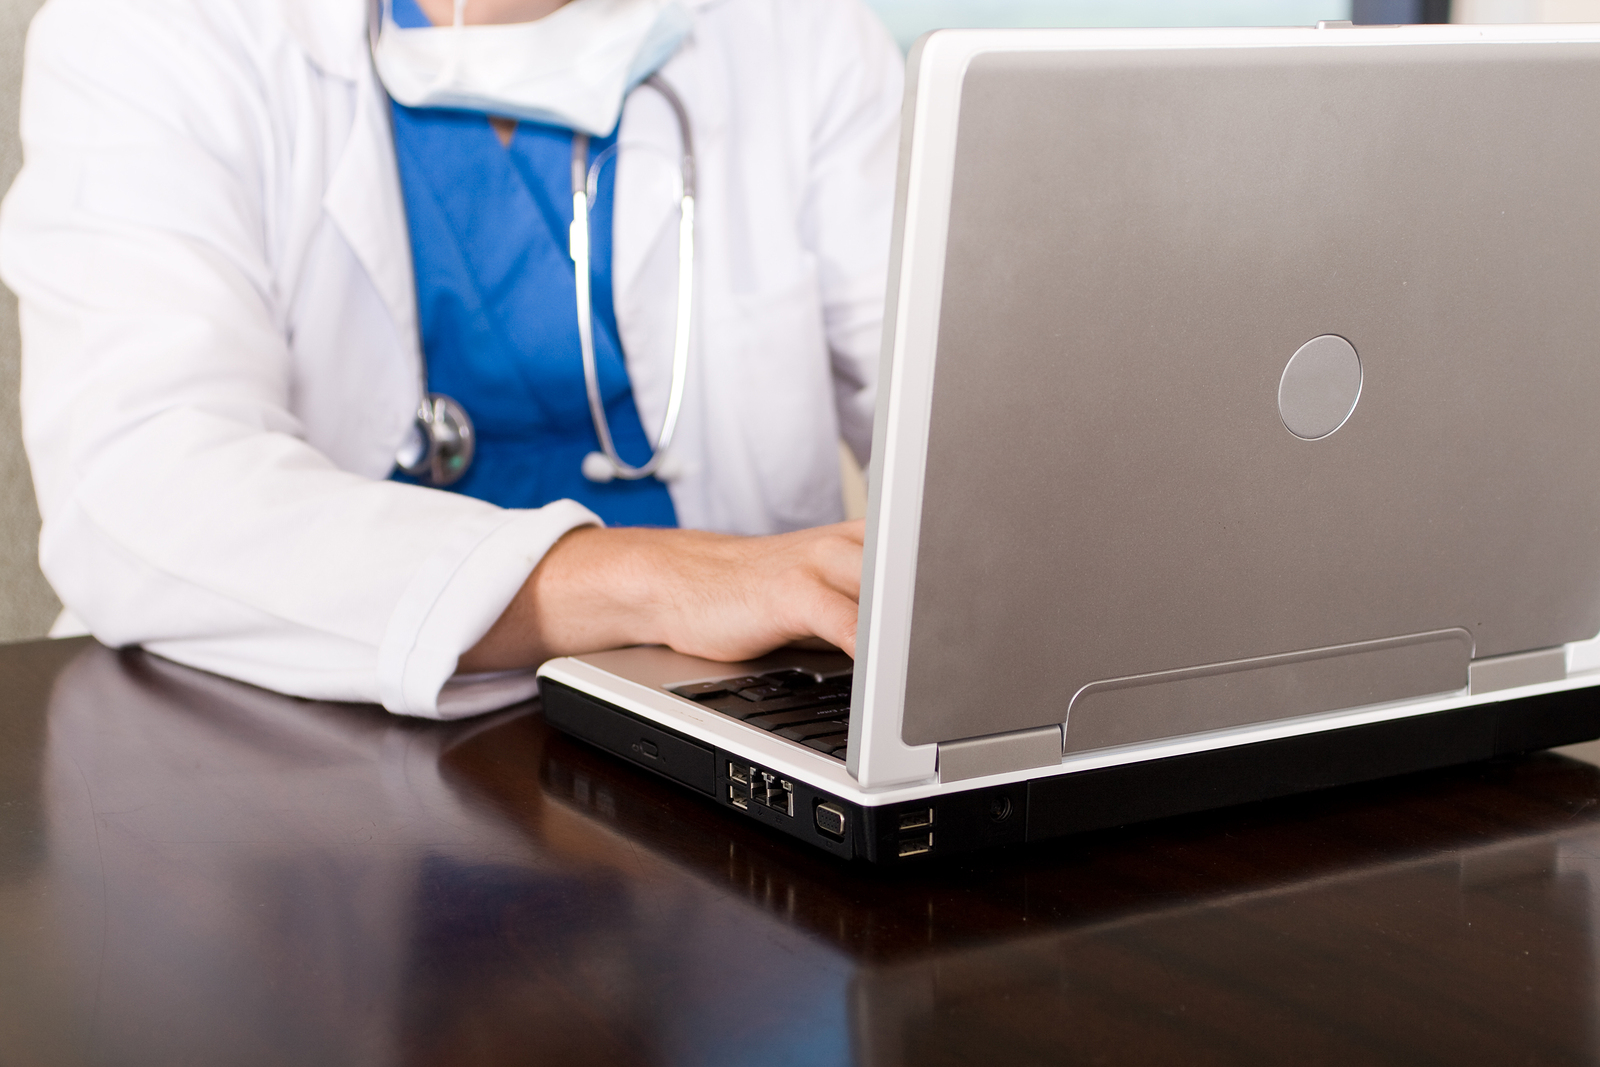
240 254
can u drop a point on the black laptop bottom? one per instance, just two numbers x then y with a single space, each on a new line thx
1061 804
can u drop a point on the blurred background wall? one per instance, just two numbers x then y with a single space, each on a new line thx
1525 11
27 606
909 19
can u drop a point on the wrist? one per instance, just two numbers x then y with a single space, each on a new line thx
600 588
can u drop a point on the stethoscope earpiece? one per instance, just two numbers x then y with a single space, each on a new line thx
597 468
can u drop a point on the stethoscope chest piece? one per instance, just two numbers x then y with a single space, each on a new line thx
439 448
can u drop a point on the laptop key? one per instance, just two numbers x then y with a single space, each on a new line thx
739 709
829 744
703 691
790 717
730 705
765 692
806 731
735 708
792 679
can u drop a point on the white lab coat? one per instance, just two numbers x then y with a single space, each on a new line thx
220 350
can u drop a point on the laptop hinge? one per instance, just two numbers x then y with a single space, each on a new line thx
999 753
1519 668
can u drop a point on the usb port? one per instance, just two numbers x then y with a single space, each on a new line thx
916 846
916 820
739 773
738 798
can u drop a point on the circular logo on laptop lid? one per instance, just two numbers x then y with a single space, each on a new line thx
1320 386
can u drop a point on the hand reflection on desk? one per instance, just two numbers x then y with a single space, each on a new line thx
229 876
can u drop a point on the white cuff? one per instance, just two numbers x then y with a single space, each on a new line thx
456 595
474 694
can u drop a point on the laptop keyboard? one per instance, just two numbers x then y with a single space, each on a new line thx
802 707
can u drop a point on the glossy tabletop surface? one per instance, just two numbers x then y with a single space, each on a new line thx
197 872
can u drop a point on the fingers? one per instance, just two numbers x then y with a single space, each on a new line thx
837 558
855 529
822 597
805 606
834 620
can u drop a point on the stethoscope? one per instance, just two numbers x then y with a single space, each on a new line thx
440 448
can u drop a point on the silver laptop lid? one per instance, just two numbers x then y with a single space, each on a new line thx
1255 374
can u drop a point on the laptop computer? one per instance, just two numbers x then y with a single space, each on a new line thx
1237 435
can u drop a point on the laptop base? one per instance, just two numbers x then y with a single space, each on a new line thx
1063 804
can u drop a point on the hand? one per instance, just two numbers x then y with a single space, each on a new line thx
710 595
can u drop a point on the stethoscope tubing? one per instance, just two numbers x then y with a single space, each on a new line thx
579 249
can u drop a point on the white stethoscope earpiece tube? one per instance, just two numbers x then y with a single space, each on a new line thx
605 465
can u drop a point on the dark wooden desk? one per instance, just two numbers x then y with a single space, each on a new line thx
197 872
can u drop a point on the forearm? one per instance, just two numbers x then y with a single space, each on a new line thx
586 594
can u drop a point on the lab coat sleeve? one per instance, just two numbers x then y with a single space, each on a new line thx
183 509
858 83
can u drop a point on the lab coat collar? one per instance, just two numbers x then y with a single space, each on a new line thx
332 33
364 201
363 198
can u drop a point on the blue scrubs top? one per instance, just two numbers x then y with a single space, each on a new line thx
498 307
